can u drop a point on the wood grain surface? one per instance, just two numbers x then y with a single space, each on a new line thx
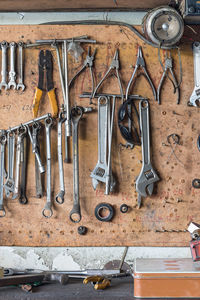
163 217
66 5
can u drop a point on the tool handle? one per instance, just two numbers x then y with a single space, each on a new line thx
36 102
53 102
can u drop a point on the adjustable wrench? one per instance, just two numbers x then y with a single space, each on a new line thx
36 152
2 142
102 172
20 84
38 180
60 196
23 159
195 97
12 73
4 46
47 210
76 115
9 184
21 133
147 177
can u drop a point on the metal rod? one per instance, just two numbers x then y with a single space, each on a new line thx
88 95
67 40
30 122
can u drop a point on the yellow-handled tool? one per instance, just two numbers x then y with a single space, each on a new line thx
45 64
100 282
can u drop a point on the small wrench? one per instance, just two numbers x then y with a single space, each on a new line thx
9 184
38 180
195 97
47 210
20 84
4 46
2 142
60 196
21 133
12 73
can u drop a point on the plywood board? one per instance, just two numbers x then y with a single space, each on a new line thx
63 5
163 218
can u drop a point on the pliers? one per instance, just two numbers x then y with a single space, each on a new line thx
113 66
140 63
168 66
45 64
88 63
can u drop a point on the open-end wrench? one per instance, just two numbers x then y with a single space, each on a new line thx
3 84
21 133
102 171
9 184
195 97
60 196
12 73
76 115
47 210
38 179
2 145
20 84
35 151
147 177
23 158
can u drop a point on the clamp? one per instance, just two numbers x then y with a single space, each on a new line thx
168 66
140 63
45 63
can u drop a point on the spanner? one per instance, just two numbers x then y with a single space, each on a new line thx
60 196
35 151
23 160
9 184
102 172
4 46
12 73
147 177
195 97
47 210
76 115
2 143
20 84
21 133
38 180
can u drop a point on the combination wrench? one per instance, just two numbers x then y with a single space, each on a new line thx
36 152
12 73
2 161
47 210
195 97
23 160
148 176
20 84
21 133
102 171
3 84
76 115
38 180
60 196
9 184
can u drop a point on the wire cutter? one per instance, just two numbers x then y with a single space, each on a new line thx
45 64
88 63
168 66
140 63
113 66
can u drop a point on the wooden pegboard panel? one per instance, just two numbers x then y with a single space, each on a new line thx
174 204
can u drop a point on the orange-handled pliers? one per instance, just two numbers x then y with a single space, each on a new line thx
45 64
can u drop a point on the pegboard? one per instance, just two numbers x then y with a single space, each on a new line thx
162 219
